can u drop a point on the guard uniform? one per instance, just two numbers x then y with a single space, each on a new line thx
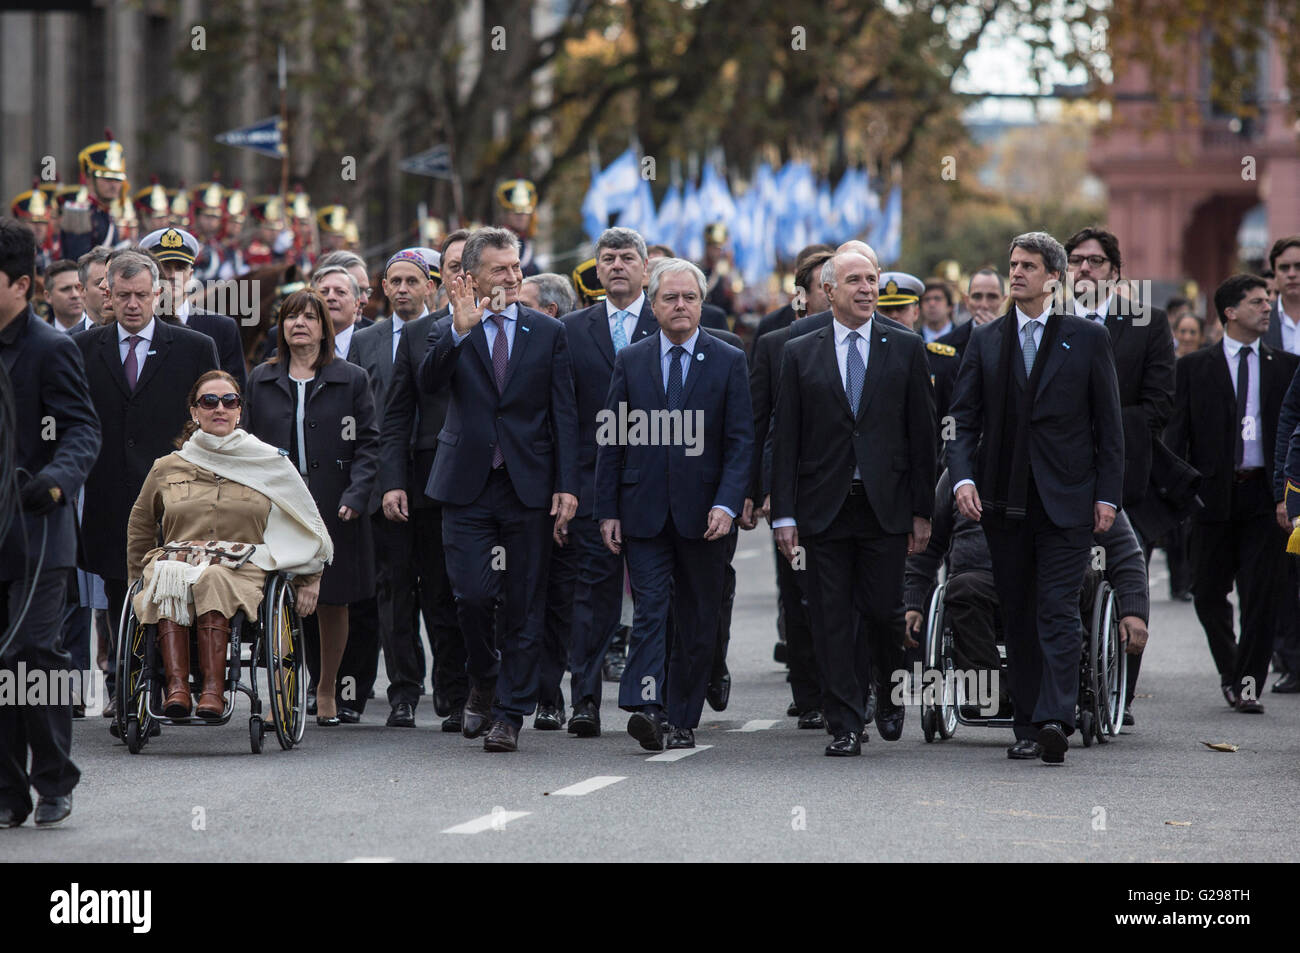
87 222
517 199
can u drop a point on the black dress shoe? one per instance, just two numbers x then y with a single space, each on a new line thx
331 722
1129 720
53 810
10 818
452 723
1026 749
402 716
780 653
1250 706
349 716
79 711
719 691
503 737
311 703
812 719
1288 684
1230 695
585 722
793 711
681 738
648 728
889 722
441 703
549 718
1182 595
845 745
476 718
1052 739
869 712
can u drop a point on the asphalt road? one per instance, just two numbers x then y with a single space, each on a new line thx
760 791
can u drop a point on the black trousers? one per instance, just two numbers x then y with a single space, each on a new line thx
44 730
1250 550
115 593
805 683
561 581
725 607
1038 569
499 549
597 607
438 606
854 584
684 576
1287 644
410 580
970 604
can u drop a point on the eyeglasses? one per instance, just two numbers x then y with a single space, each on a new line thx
210 401
1096 261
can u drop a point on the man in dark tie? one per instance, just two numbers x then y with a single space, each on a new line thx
140 371
406 282
596 335
853 470
1039 460
413 418
505 473
675 445
1144 367
1226 406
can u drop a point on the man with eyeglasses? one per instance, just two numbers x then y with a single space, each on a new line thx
1144 364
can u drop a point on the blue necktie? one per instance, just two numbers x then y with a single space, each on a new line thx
1031 346
675 376
620 334
855 372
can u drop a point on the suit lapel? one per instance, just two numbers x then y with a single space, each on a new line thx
524 318
657 372
697 361
830 366
1055 357
875 363
159 345
1219 361
1269 385
478 341
599 328
111 353
645 323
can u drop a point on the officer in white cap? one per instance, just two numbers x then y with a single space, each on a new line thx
174 249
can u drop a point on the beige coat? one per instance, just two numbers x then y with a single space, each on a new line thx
196 504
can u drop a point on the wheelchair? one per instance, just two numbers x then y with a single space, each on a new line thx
1103 669
275 642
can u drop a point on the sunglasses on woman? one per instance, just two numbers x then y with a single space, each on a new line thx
210 401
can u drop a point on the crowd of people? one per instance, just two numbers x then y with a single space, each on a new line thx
507 477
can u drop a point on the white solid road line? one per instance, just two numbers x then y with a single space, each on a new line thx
758 724
494 821
678 753
589 785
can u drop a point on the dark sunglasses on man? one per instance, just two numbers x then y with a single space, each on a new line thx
210 401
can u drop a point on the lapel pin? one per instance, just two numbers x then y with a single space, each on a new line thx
1065 345
699 355
524 326
150 353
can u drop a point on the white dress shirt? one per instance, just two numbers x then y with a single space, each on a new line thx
863 343
1252 450
629 319
397 332
927 335
1290 337
141 346
343 340
183 312
511 314
77 325
1100 312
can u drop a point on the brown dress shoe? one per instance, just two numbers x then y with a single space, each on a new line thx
503 737
174 643
214 637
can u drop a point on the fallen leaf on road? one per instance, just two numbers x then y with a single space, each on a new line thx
1220 745
1179 823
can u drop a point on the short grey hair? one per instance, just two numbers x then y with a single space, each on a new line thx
128 264
553 289
328 270
341 259
96 256
676 266
828 268
482 238
1048 248
619 238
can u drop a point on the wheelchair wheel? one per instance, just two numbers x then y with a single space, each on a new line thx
928 719
134 681
283 655
1087 727
256 732
931 653
1108 665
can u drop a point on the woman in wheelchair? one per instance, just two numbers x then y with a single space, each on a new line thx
231 509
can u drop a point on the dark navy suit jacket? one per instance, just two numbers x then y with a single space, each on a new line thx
642 485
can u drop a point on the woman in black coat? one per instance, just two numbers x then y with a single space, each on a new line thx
319 411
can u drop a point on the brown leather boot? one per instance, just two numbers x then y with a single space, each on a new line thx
174 643
214 637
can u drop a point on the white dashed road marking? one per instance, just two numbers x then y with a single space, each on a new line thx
494 821
758 724
587 786
678 753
